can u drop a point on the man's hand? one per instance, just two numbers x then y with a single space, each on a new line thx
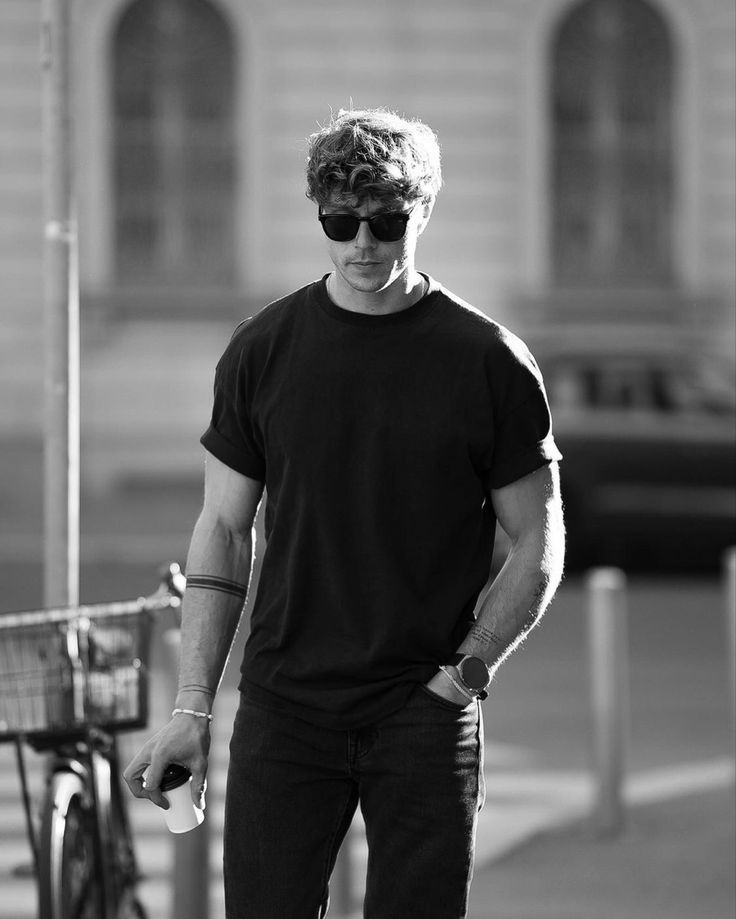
442 685
185 740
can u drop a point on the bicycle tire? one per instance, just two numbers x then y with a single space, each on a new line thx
68 885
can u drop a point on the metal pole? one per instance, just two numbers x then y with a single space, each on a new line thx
191 850
609 685
729 579
61 313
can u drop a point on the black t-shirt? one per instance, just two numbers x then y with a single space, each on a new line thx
379 439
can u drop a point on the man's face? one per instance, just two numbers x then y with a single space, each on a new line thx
367 264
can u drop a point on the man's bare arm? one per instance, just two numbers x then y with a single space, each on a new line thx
218 572
530 512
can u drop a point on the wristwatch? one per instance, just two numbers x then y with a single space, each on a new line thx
474 673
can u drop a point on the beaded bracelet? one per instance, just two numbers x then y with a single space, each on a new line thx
190 711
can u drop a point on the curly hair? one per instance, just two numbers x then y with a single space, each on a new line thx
373 153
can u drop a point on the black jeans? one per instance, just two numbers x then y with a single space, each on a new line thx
293 789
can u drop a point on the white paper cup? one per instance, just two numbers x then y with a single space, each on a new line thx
183 814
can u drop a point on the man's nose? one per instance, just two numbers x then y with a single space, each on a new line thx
364 238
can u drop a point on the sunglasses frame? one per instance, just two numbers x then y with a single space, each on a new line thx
405 215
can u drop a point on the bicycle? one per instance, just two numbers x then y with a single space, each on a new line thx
71 680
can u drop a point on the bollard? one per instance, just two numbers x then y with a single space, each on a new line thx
191 850
607 629
729 590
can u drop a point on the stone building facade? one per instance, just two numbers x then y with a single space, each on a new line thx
588 153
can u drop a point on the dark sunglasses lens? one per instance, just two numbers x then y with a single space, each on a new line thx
340 227
389 227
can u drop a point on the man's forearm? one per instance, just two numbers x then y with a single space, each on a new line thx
218 573
515 601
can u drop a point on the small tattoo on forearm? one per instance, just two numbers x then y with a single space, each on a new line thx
486 636
209 582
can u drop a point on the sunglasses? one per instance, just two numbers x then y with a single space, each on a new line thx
387 228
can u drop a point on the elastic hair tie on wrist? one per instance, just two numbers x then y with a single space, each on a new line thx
190 711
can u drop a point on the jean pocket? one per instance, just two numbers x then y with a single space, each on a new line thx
445 703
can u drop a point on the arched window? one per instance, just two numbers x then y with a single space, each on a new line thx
612 146
174 156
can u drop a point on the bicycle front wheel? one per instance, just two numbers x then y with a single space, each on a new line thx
68 887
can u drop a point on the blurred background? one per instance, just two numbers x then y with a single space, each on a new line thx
589 205
588 154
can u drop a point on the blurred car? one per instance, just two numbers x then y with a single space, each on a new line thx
649 470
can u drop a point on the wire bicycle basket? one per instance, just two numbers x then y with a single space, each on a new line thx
64 670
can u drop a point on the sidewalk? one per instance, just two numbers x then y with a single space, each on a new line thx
675 860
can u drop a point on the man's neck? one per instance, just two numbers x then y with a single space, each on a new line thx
403 293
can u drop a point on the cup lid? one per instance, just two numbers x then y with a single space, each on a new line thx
174 776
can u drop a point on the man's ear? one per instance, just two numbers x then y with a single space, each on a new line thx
426 211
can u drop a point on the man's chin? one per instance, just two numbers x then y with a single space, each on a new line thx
367 281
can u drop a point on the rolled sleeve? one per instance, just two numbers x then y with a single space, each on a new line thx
236 458
233 437
523 441
524 462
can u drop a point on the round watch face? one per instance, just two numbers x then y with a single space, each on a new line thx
474 673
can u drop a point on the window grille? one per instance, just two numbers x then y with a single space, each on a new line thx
612 146
174 146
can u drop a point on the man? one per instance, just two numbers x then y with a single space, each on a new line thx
392 425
